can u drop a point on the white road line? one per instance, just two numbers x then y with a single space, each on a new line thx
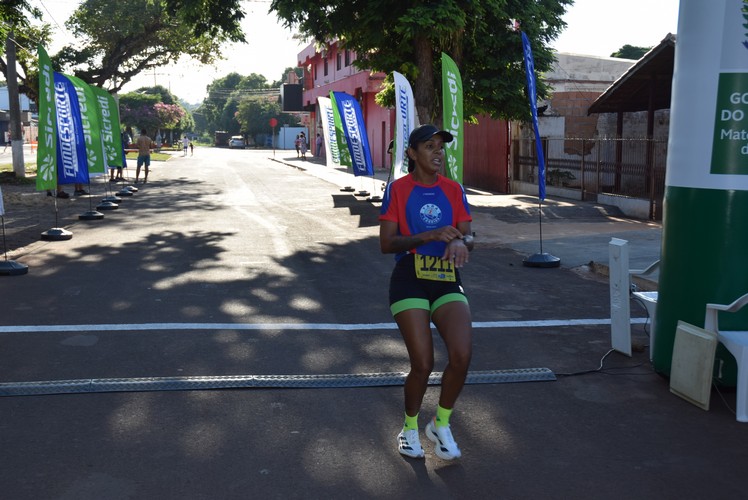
109 327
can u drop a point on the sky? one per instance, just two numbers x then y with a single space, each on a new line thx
601 27
594 27
269 50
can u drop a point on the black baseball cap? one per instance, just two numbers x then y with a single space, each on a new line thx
426 132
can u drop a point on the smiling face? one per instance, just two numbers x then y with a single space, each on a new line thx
428 156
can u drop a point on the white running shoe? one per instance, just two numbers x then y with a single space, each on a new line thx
446 447
409 444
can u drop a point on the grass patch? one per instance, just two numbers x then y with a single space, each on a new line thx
11 178
8 177
154 156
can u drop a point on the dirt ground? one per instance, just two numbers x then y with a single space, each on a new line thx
29 212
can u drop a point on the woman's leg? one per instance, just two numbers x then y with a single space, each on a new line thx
416 331
453 321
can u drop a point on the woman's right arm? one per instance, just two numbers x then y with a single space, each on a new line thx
392 242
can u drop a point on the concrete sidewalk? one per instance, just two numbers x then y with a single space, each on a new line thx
577 232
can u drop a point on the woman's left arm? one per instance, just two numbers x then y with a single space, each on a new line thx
458 249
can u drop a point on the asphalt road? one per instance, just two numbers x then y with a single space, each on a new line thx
232 263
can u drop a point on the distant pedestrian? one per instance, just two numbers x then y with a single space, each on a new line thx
297 144
7 140
144 144
185 145
318 152
192 148
303 146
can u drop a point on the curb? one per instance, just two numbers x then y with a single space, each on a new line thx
643 284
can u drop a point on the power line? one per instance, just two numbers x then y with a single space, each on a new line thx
51 16
228 92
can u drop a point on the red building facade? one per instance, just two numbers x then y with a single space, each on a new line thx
486 157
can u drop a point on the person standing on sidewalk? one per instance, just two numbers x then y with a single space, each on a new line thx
318 144
144 144
425 221
303 146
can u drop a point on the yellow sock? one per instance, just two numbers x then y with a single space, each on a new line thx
442 416
411 423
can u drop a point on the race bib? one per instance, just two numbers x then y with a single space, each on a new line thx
434 268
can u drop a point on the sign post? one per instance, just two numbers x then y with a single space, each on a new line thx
273 124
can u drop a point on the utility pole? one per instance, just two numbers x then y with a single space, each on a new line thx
16 137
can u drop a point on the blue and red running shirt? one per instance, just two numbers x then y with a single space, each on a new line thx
418 207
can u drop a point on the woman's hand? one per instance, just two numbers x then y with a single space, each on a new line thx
446 234
457 252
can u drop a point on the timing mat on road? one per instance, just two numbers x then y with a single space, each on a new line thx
147 384
142 384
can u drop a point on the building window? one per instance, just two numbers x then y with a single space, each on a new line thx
338 61
347 57
325 61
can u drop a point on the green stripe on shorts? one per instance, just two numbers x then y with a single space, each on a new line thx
450 297
405 304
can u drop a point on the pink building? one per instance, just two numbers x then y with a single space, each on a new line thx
486 144
333 70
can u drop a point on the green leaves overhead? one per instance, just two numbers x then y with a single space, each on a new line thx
115 41
409 36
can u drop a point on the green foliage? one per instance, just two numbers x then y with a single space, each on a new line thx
631 52
219 110
119 40
558 177
212 18
16 16
299 73
254 114
154 108
391 35
15 12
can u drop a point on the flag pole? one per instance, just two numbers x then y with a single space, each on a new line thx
90 214
541 259
56 233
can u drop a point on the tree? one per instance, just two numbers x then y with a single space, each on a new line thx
219 109
148 34
631 52
298 71
254 114
391 35
149 108
214 18
16 16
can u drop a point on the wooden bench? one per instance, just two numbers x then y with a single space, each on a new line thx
737 343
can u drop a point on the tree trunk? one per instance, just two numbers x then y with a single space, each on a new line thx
423 93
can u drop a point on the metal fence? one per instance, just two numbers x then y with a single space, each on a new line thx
633 168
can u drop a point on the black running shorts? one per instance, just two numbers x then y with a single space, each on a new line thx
409 292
